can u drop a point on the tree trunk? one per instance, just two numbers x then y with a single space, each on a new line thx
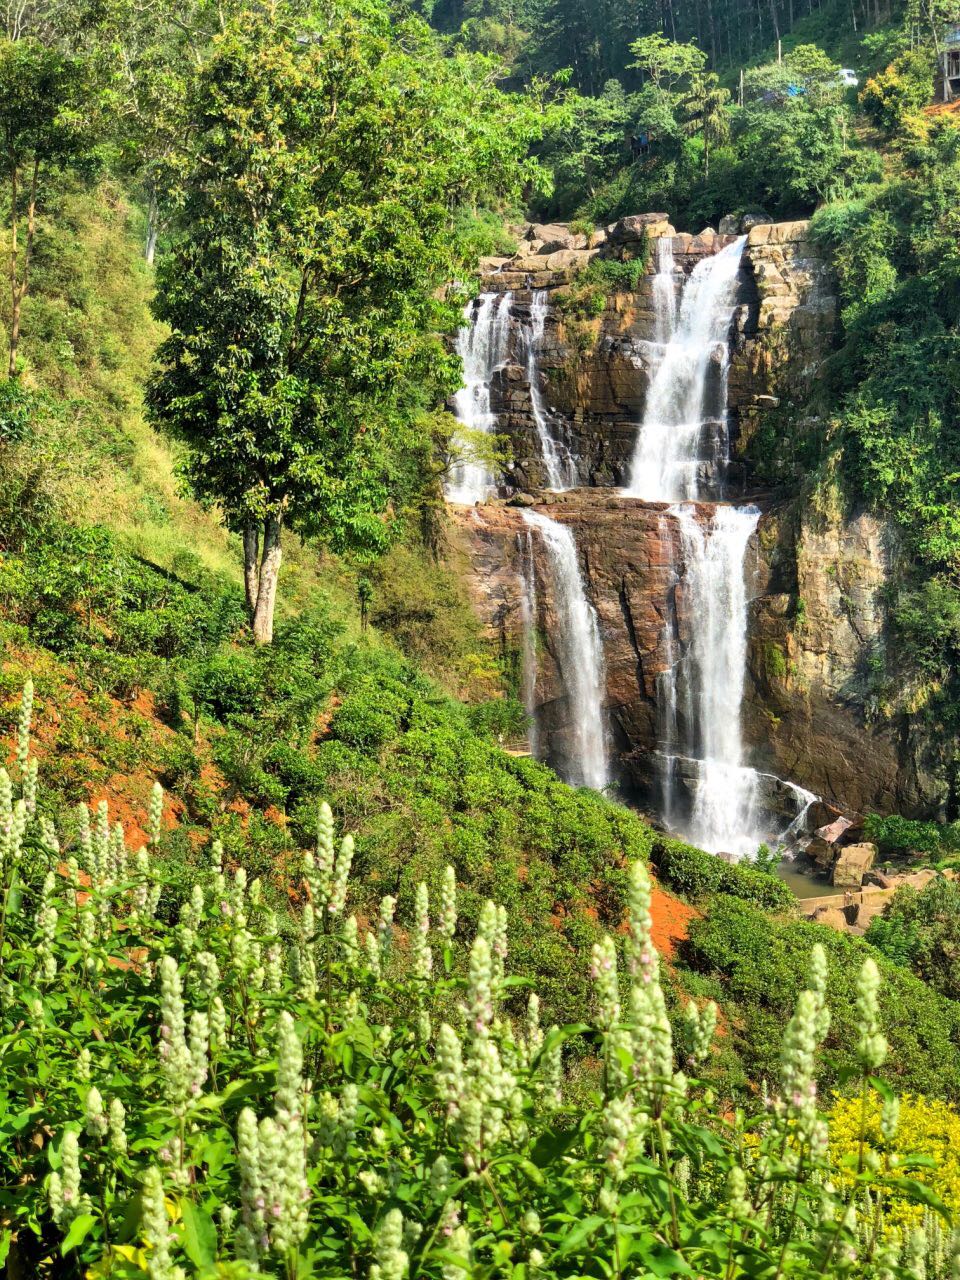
269 574
153 228
251 567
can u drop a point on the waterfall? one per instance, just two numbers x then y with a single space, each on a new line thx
682 447
579 653
483 346
557 461
528 618
725 796
685 407
664 292
668 735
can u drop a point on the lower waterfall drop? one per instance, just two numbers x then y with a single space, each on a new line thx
724 817
579 654
558 463
528 618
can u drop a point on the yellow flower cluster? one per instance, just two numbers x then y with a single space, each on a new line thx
927 1127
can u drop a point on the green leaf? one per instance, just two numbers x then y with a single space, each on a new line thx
80 1228
550 1146
579 1234
199 1235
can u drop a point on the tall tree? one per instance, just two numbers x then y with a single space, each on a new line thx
47 112
706 113
303 293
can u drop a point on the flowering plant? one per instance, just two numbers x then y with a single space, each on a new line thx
237 1092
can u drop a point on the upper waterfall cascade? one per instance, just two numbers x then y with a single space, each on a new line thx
558 462
483 345
684 429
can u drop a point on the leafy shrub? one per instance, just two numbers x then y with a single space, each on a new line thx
896 835
17 407
758 963
920 930
698 875
901 90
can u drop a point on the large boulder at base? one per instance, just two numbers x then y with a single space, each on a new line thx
852 865
833 830
832 917
822 852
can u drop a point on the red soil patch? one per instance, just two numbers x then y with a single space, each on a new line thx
943 108
671 921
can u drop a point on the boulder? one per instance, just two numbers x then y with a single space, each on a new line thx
834 830
554 236
768 233
832 917
754 218
491 266
852 865
570 259
638 225
822 852
879 880
739 224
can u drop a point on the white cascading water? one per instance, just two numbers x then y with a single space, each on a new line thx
682 438
483 346
664 292
668 458
668 729
558 463
579 652
528 618
725 815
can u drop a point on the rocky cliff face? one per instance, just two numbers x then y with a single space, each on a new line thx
595 358
816 623
817 581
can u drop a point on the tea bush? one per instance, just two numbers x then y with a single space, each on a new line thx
758 962
192 1083
697 874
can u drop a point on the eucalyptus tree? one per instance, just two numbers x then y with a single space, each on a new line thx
303 293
